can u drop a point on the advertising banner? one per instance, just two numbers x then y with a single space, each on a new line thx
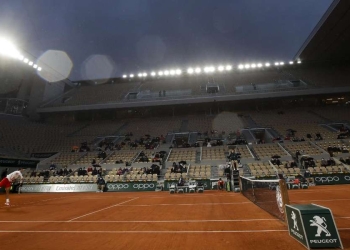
206 184
59 188
331 179
131 186
9 162
42 155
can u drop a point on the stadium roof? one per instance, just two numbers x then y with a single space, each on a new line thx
330 38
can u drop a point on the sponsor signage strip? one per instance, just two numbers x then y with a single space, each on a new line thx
131 186
8 162
59 188
331 179
42 155
207 184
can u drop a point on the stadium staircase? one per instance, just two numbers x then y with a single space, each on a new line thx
184 125
325 119
249 122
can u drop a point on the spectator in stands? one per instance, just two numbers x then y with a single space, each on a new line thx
345 149
93 162
208 145
52 166
100 184
181 182
324 162
293 164
221 184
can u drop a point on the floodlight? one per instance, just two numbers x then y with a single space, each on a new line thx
30 63
291 62
267 64
299 61
172 72
35 66
277 63
8 49
281 63
139 75
247 66
206 69
241 66
25 60
160 73
211 69
190 71
20 57
125 76
39 68
178 72
166 72
131 76
253 65
221 68
153 73
198 70
259 65
228 67
144 74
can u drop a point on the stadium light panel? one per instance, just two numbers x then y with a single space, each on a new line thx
39 68
160 73
211 69
299 61
8 49
259 65
178 72
166 72
228 67
241 66
153 73
139 75
277 63
35 66
198 70
206 69
291 62
172 72
247 66
25 60
20 57
253 65
190 71
125 76
267 64
144 74
30 63
281 63
132 76
221 68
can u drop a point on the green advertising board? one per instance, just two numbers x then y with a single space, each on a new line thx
313 226
131 186
331 179
207 184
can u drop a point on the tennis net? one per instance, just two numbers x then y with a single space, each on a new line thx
270 195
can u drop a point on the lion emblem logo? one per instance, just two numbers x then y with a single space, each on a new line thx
320 223
294 218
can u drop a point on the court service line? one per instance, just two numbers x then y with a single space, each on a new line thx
146 221
323 200
148 232
102 209
188 204
156 232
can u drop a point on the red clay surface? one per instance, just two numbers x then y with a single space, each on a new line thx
157 220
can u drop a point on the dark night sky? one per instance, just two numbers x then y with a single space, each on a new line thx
144 35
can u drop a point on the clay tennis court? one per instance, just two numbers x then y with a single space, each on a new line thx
157 220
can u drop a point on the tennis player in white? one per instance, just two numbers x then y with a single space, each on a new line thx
7 182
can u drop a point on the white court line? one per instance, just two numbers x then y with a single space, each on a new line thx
103 209
189 204
323 200
149 232
155 232
147 221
